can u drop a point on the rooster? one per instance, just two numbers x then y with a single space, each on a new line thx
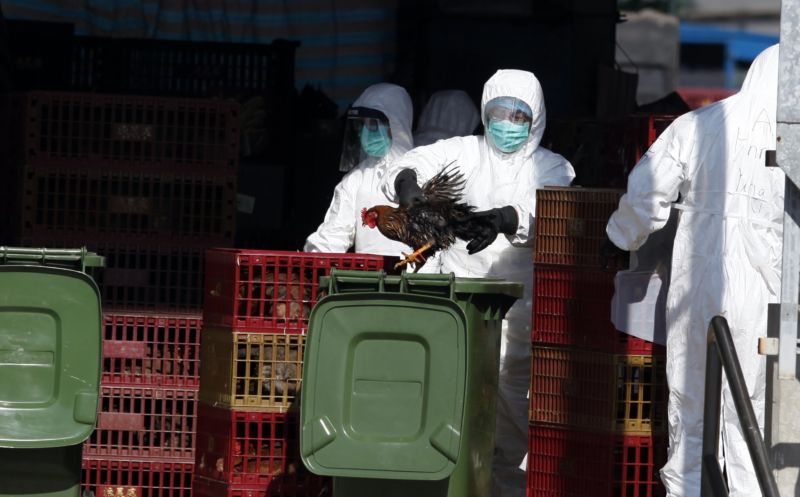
429 226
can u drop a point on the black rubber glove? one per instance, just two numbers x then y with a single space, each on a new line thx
484 226
408 191
609 251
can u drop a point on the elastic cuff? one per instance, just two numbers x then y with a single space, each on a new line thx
406 175
509 221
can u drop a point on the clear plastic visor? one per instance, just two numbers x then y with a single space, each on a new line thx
507 109
366 134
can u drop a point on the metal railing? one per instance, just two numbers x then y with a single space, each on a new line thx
722 354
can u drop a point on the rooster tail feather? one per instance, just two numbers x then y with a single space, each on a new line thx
447 185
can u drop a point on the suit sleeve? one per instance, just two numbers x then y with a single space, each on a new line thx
653 186
337 232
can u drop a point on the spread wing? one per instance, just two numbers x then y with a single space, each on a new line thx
446 186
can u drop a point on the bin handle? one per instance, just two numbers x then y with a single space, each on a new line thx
408 281
45 255
349 276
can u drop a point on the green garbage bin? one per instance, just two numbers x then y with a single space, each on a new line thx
50 347
399 383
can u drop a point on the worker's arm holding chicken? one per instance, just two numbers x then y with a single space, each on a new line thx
515 220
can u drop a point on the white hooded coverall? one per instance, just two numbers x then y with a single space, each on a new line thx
726 259
448 113
360 187
495 179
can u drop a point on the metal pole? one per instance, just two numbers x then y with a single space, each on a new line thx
784 387
712 481
744 409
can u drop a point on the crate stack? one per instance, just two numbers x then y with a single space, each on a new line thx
255 321
149 183
598 396
144 441
603 152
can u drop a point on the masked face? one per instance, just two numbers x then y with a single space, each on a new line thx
506 136
375 139
367 135
508 123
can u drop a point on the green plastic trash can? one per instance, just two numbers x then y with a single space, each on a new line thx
400 381
50 348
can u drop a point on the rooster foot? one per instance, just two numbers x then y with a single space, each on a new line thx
415 258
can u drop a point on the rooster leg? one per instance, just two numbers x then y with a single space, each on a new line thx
416 257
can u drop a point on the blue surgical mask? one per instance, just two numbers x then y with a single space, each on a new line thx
507 136
376 142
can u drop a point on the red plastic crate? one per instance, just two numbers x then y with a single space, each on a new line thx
657 124
246 447
271 291
599 392
152 275
104 478
80 203
597 148
151 349
202 69
138 422
571 226
300 484
203 487
568 463
637 462
572 306
572 387
646 129
125 132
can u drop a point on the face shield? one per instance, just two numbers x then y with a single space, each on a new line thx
508 123
366 134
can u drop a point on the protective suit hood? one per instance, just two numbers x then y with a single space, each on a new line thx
395 103
360 187
524 86
448 113
762 74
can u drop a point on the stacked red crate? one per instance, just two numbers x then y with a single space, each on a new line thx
569 463
148 182
256 313
144 442
603 152
598 396
113 478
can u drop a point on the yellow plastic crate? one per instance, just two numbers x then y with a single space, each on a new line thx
251 370
598 392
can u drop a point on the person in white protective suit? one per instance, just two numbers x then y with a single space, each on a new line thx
377 131
503 170
448 113
726 259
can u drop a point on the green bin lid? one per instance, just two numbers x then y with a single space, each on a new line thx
374 402
50 335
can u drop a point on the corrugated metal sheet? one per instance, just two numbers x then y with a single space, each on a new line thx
346 45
